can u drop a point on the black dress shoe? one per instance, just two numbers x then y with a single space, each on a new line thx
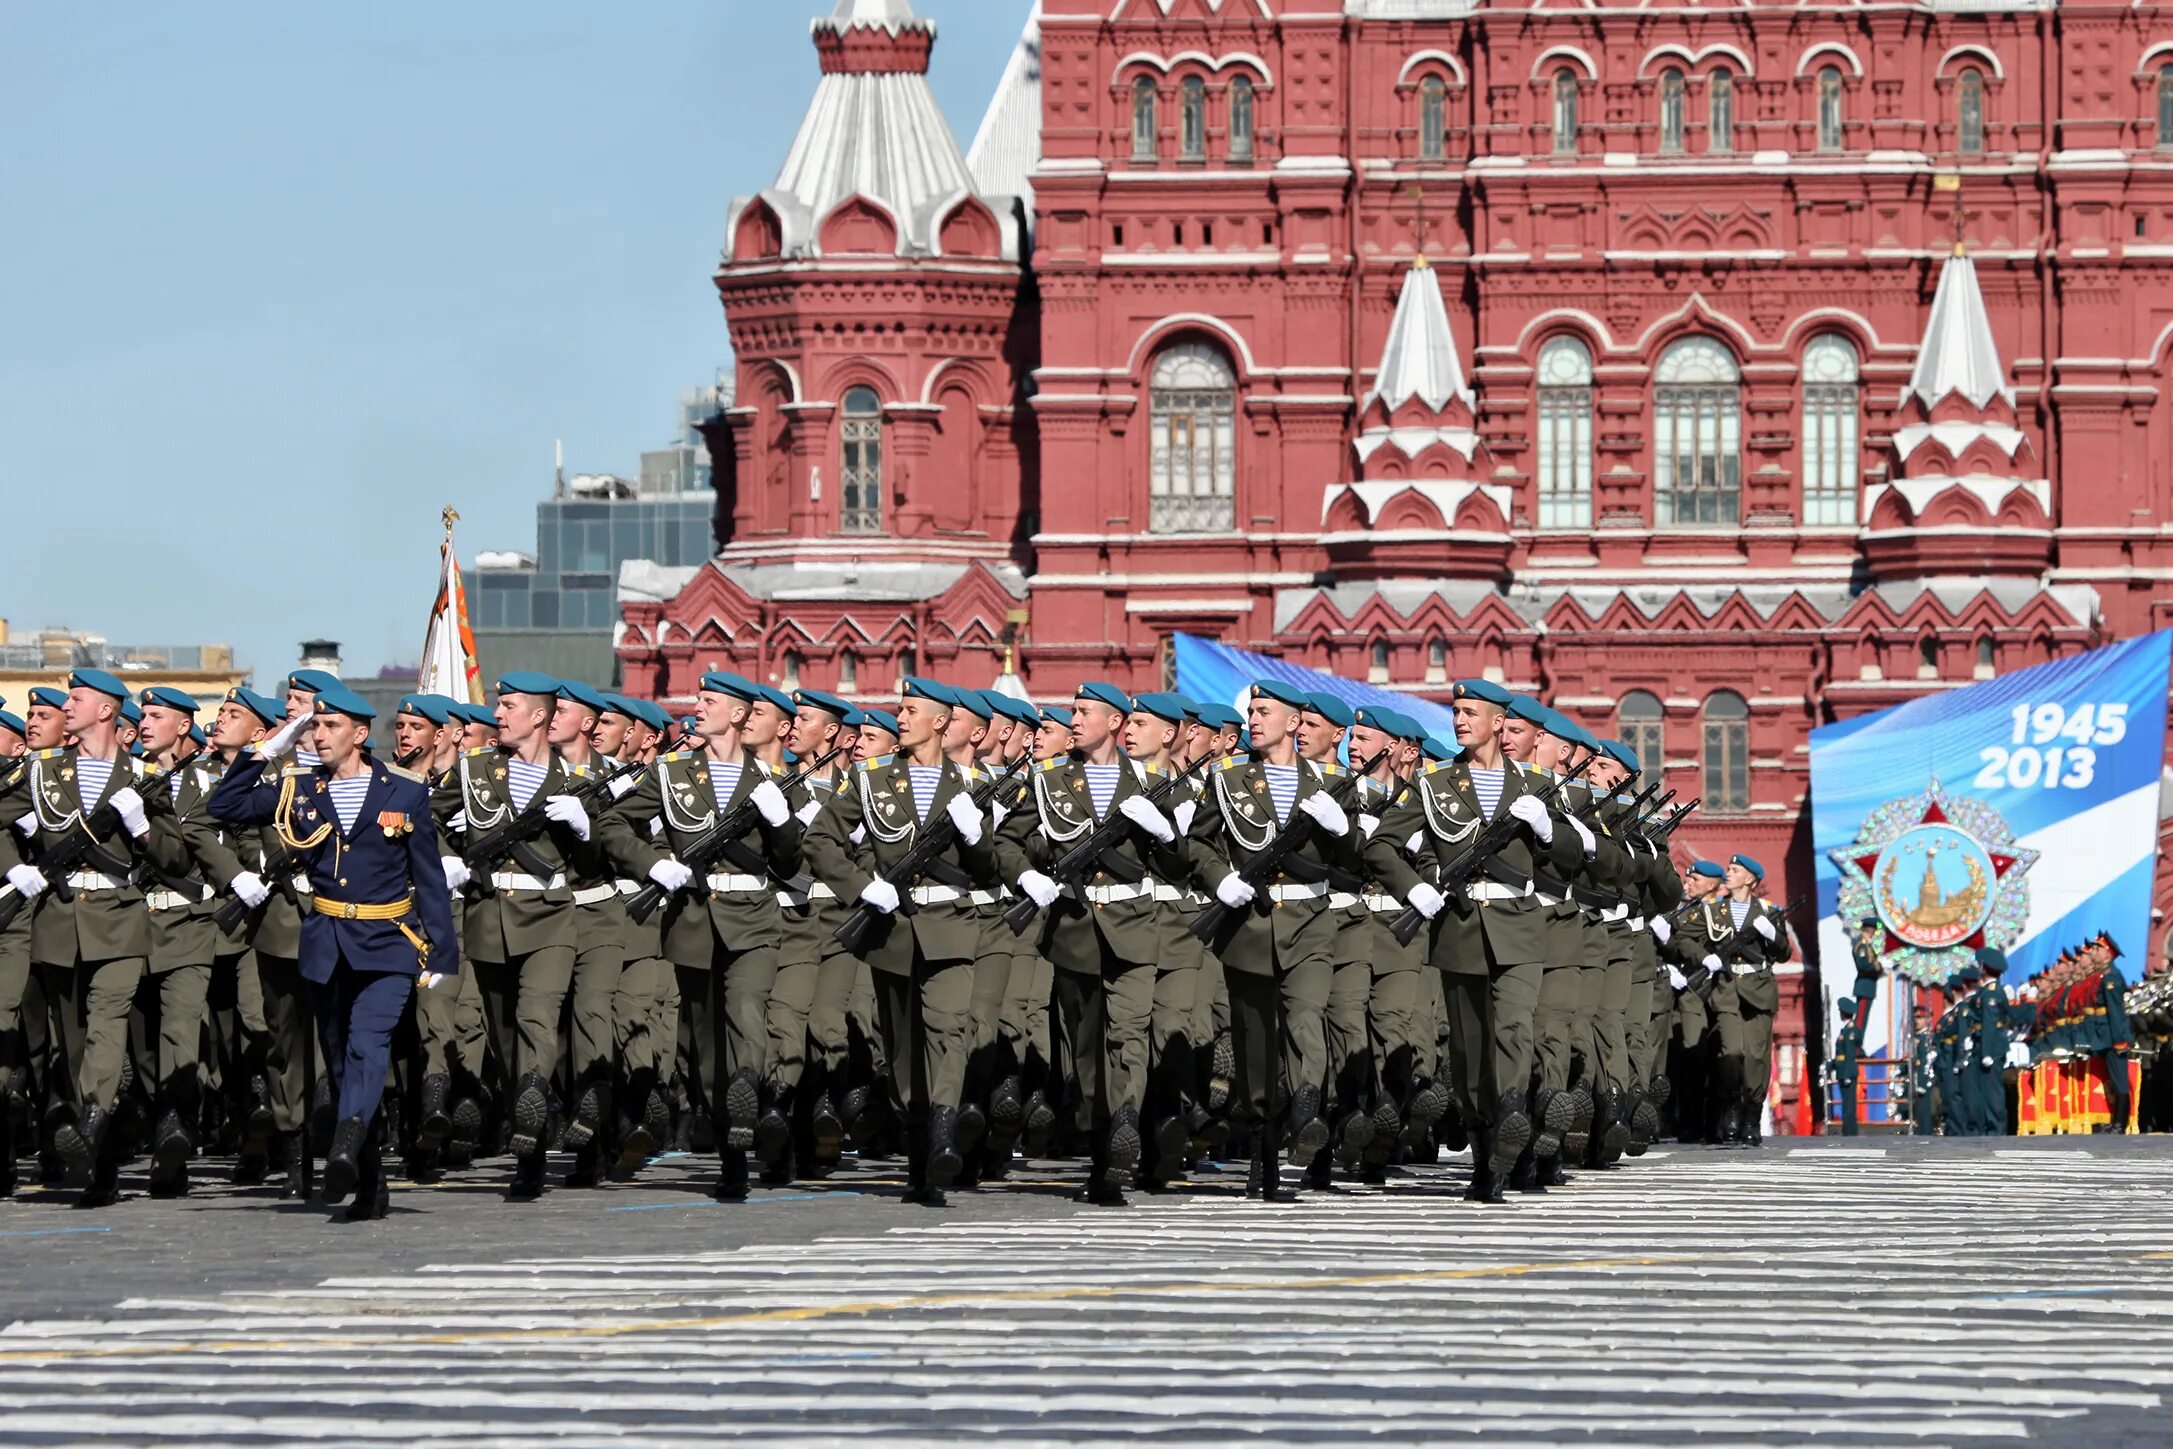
343 1161
944 1160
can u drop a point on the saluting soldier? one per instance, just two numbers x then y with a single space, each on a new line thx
380 913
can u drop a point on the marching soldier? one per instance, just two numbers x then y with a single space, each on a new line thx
1174 1107
1742 936
1347 1088
15 1035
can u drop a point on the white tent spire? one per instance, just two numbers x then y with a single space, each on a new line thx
1959 354
1420 359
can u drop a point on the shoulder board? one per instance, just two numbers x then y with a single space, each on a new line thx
1231 762
675 756
1437 767
481 750
1057 763
1154 769
52 754
296 772
1766 902
875 764
1330 767
404 773
578 772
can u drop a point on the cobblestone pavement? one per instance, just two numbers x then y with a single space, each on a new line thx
1881 1291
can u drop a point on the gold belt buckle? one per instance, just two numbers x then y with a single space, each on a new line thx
347 910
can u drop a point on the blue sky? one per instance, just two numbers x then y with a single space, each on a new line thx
283 280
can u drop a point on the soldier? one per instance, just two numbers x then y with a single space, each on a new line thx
89 948
1690 988
2111 1035
15 1038
921 962
976 729
1322 729
1987 1065
1025 1019
1923 1074
1175 1104
1744 935
1848 1048
381 915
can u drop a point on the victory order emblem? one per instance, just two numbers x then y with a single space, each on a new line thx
1942 875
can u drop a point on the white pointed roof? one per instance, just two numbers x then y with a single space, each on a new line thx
1958 354
891 15
1007 148
1420 360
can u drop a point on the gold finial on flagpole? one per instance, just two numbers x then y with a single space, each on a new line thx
450 516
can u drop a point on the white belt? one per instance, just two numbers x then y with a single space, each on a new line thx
929 895
1615 913
803 888
1102 895
1744 968
591 895
1542 897
1494 890
1342 900
94 880
728 883
981 898
513 880
166 900
627 887
1637 923
1383 904
1311 892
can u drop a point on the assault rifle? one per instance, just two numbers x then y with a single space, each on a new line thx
77 847
1459 872
278 872
718 841
1661 831
491 849
1262 869
934 838
1702 979
1077 863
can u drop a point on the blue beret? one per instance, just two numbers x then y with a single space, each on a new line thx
339 699
267 711
13 722
1621 754
1748 864
131 711
1056 714
975 702
1486 691
724 681
48 696
1187 703
1331 709
582 695
1709 868
828 703
1437 748
196 733
619 704
1102 692
914 686
1562 727
852 719
778 699
1281 693
1524 707
99 680
1162 705
882 719
654 715
527 681
791 758
1012 707
1218 717
477 714
431 707
1377 717
167 697
312 680
687 723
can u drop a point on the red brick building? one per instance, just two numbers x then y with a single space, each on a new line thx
1623 355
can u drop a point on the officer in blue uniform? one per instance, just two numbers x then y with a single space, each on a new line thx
381 913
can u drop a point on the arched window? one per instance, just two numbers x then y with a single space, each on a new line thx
1241 119
1697 435
1927 657
1639 724
1727 752
1433 123
1829 109
848 672
1377 662
860 510
1830 457
1671 112
1985 668
1564 455
1192 119
1969 113
1143 119
2165 104
1437 661
1192 413
1565 112
1720 110
790 680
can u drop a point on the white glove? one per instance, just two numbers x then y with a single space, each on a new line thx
1367 824
770 801
656 829
567 811
1426 900
1327 814
881 895
1411 846
1763 927
1984 1061
130 806
249 889
1675 977
1591 846
997 812
623 786
1234 892
459 821
1711 963
1528 809
429 980
1038 888
671 874
26 880
807 813
1148 816
966 816
1661 930
456 872
288 733
1183 814
26 824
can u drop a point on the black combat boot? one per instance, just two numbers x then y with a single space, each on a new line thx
529 1171
591 1111
1511 1135
373 1194
170 1153
531 1118
295 1163
434 1117
8 1130
1308 1133
918 1189
1644 1123
343 1161
827 1126
1124 1145
731 1176
1485 1186
773 1129
944 1160
76 1140
742 1108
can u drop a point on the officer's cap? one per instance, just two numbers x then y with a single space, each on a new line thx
2105 938
827 703
1993 960
777 699
1711 868
1056 714
1162 705
132 711
582 694
48 696
882 719
10 721
975 702
1524 707
1969 975
1621 754
339 699
99 680
165 696
1281 693
1846 1005
529 681
312 681
1331 709
1440 749
267 711
1102 692
1750 864
724 681
1486 691
915 687
428 707
1219 717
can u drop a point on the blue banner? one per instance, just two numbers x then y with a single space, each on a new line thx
2020 813
1207 670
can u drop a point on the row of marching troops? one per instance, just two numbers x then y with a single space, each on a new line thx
1142 930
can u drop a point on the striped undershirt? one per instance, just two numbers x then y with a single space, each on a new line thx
523 780
925 779
91 775
1487 785
1739 910
1282 789
1101 786
307 757
724 779
347 798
